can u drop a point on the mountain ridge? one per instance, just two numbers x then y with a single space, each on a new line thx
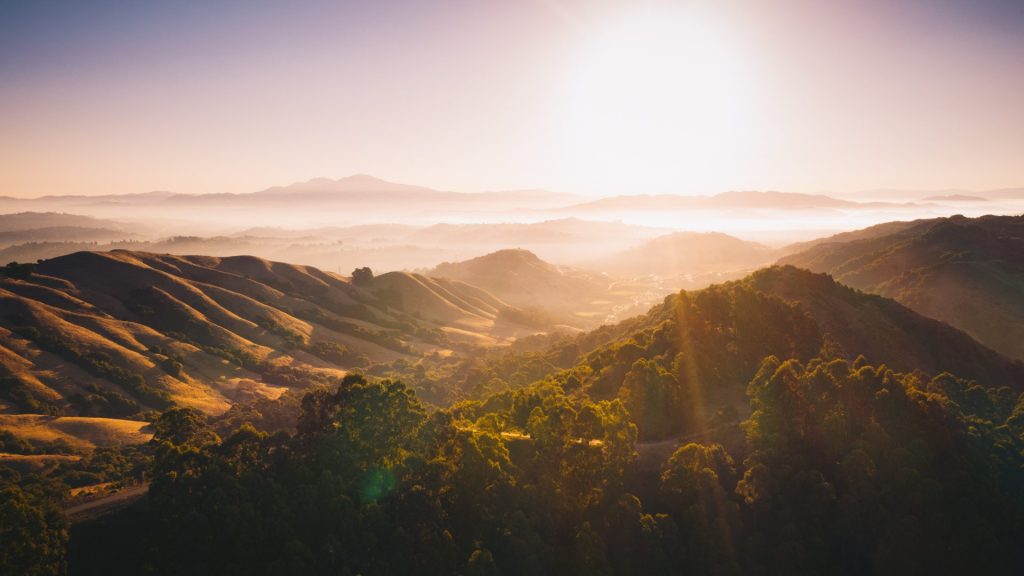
968 272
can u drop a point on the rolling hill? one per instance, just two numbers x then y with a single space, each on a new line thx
692 259
34 220
79 433
566 295
316 202
968 272
112 333
25 227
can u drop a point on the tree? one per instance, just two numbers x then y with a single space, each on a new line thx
362 276
649 392
696 483
481 563
32 537
588 555
184 427
18 271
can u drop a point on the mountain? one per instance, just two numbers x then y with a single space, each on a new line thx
113 333
948 194
366 188
33 220
968 272
364 232
357 183
955 198
697 255
25 227
1004 194
549 233
332 206
737 200
776 201
61 234
314 203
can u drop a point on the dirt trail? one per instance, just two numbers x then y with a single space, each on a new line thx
106 504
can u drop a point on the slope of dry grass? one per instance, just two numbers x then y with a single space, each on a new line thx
115 333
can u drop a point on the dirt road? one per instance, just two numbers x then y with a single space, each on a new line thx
100 506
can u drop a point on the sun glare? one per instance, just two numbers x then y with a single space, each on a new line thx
658 99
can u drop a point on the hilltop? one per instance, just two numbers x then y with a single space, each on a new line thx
565 294
693 259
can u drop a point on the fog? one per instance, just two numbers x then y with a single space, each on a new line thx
357 221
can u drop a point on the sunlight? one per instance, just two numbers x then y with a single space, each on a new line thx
659 101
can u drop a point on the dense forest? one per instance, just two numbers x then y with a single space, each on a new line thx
840 468
782 424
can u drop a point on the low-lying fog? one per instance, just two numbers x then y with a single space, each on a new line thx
357 221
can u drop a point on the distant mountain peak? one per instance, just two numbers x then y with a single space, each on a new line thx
362 178
955 198
355 183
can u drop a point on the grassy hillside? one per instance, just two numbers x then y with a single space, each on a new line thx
116 333
78 433
968 272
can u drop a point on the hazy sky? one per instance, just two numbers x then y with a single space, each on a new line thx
583 95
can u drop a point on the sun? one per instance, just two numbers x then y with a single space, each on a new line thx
659 101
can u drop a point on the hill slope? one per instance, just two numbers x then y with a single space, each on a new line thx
109 334
565 294
684 367
967 272
695 255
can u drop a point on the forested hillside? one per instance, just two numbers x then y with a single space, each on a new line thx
968 272
842 467
684 366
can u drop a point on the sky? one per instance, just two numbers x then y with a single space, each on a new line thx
589 96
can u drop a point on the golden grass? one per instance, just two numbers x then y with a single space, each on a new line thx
80 432
35 463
